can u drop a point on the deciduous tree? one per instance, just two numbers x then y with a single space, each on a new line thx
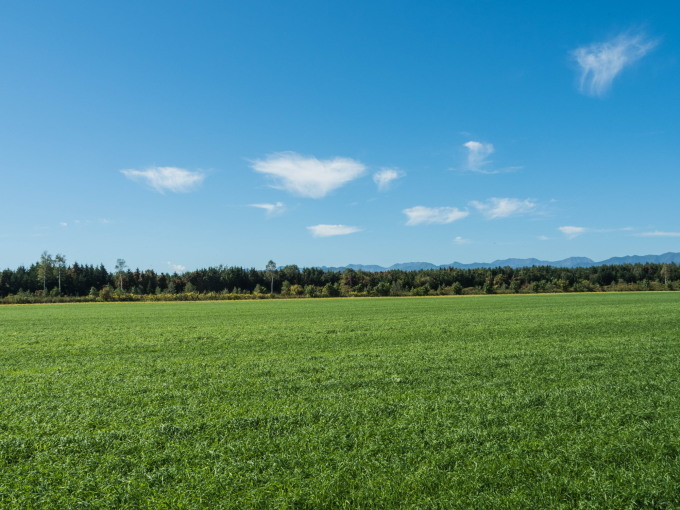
120 271
271 271
60 264
45 268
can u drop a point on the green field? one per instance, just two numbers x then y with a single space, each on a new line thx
546 401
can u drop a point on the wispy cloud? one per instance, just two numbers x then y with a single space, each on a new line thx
421 215
478 159
461 240
83 223
308 176
176 268
657 233
271 209
478 153
600 63
332 230
166 178
571 231
495 208
385 177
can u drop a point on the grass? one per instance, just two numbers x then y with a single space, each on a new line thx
559 401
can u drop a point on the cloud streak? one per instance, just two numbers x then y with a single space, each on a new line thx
166 178
495 208
332 230
600 63
421 215
572 232
83 223
271 209
657 233
308 176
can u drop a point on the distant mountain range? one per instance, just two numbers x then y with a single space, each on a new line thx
666 258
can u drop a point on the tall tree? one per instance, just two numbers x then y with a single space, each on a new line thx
271 271
60 263
45 268
290 273
666 273
120 271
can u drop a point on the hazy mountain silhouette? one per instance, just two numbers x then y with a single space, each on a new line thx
665 258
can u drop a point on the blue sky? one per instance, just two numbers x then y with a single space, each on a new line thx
181 135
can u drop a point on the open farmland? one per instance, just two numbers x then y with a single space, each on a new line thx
549 401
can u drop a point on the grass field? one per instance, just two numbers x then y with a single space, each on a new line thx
545 401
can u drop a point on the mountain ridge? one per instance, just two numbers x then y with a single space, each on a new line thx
570 262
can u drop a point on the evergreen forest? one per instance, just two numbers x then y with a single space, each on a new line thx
51 279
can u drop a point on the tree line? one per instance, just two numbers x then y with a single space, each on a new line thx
52 279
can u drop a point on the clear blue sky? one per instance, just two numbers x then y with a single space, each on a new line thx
189 134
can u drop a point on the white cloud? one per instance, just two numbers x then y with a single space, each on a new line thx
461 240
308 176
478 159
176 268
385 177
657 233
601 62
166 178
83 223
543 238
572 232
495 208
332 230
271 209
478 153
420 215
